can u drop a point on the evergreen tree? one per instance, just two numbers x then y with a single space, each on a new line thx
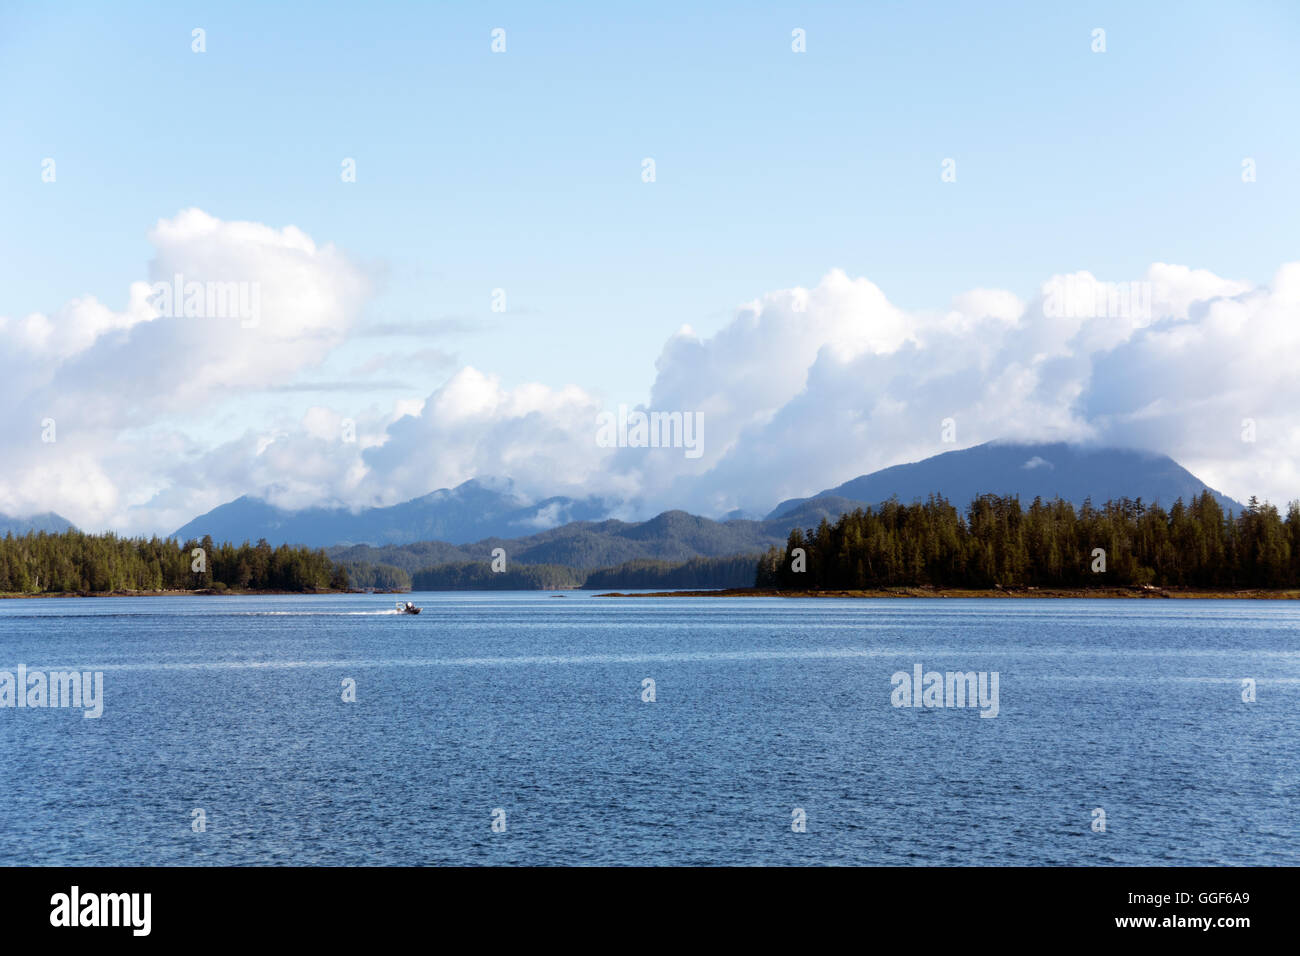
1000 544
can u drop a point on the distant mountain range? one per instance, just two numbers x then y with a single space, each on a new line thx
446 538
465 523
469 512
589 545
49 521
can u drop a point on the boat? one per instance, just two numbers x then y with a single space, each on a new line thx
407 608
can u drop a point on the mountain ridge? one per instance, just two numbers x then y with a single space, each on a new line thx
47 521
472 510
466 522
1029 470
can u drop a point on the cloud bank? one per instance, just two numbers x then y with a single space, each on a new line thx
802 389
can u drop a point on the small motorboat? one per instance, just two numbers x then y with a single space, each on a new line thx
407 608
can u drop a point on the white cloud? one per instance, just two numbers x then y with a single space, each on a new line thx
1177 380
105 376
803 389
471 426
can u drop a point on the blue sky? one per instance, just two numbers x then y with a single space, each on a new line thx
522 170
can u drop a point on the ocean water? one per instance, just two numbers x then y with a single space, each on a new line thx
532 704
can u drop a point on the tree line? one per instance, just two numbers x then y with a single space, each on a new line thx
997 542
479 576
43 563
381 577
732 572
77 562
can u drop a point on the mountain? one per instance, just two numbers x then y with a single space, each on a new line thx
588 545
469 512
1071 472
48 521
466 522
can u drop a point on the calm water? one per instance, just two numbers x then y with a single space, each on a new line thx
532 704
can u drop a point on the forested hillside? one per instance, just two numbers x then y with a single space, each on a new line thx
381 577
73 561
673 536
735 572
479 576
1000 543
996 542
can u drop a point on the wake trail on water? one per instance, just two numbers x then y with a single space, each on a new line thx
393 611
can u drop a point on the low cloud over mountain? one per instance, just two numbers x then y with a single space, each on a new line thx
481 514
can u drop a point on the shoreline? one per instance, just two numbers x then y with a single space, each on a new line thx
1135 592
200 592
1111 593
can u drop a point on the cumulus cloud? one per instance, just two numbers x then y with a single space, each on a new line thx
102 376
802 389
543 438
1177 375
806 388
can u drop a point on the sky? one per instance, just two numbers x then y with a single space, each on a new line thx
461 260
